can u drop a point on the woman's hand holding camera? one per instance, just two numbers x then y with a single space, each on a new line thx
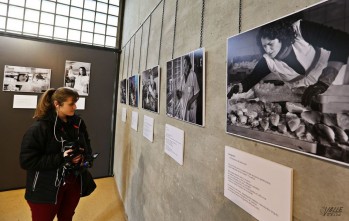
67 153
76 159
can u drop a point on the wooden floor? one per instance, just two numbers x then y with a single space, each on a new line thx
103 204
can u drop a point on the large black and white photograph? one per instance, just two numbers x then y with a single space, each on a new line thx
123 91
287 82
150 89
26 79
185 87
133 90
77 76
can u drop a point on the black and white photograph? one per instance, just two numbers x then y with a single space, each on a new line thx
26 79
133 90
185 87
123 91
150 89
287 82
77 76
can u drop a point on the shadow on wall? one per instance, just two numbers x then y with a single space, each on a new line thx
125 168
137 196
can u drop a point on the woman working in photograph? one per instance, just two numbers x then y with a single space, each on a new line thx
70 77
24 84
54 153
22 77
123 91
151 100
188 91
82 82
301 54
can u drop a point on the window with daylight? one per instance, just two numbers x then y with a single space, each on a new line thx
91 22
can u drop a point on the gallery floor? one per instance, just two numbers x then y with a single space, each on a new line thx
104 204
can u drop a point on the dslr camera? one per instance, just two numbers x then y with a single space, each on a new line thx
87 159
76 150
75 146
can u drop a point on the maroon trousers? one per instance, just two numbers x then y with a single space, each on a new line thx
67 199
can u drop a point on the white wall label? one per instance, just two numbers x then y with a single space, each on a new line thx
174 143
148 128
123 114
80 104
134 122
25 101
261 187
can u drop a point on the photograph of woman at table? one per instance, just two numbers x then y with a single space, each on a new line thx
301 53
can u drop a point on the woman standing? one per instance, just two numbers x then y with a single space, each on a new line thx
188 91
152 94
70 77
82 81
54 172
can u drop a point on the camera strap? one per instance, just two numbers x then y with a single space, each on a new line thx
67 131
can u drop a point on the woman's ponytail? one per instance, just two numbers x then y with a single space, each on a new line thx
45 104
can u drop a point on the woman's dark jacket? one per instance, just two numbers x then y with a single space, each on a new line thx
42 155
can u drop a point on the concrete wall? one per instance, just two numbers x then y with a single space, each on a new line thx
152 185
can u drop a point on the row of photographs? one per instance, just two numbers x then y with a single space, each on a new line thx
185 87
37 80
287 83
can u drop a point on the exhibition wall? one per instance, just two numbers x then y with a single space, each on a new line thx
99 104
152 185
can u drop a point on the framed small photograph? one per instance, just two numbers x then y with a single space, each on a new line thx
150 89
123 91
185 89
26 79
133 90
77 76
